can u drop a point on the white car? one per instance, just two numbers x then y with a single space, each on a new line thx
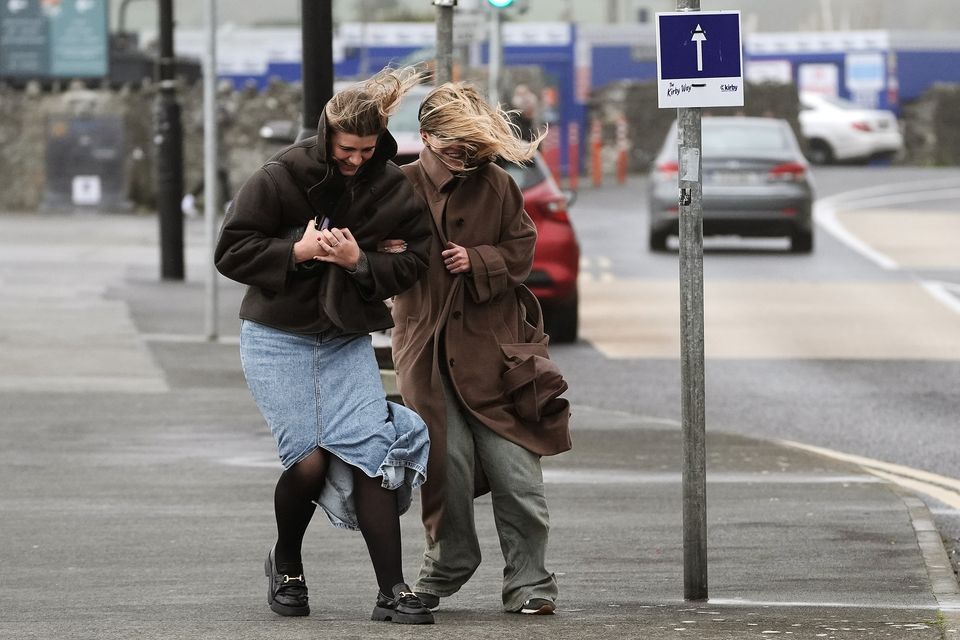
838 130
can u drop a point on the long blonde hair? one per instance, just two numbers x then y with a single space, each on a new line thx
456 114
363 109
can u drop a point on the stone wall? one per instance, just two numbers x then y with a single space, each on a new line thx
931 128
24 118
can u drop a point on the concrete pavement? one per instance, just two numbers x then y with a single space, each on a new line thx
137 477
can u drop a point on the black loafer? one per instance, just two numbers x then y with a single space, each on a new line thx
286 595
403 608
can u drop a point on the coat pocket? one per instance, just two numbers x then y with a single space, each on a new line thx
532 381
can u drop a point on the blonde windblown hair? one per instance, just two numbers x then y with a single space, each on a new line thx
455 114
363 109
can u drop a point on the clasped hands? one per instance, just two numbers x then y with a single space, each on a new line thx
327 245
339 247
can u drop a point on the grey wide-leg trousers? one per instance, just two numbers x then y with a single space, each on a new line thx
519 511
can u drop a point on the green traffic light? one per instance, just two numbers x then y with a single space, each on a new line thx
500 4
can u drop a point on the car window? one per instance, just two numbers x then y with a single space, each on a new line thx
405 119
525 175
731 139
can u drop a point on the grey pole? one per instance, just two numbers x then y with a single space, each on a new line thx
444 71
691 349
211 179
495 56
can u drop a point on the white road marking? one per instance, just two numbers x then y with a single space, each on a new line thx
947 497
739 602
825 215
596 269
825 209
946 292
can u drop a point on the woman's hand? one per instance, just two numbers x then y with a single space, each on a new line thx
308 246
339 247
455 259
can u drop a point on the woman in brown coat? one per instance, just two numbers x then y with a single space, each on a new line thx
465 334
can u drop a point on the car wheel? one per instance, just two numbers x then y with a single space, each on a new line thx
561 321
658 241
801 242
820 152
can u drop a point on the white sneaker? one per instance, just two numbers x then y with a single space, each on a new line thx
538 607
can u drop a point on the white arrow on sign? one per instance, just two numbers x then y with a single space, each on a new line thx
699 37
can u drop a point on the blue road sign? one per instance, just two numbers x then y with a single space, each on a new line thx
699 59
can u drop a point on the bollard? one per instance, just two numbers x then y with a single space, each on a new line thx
573 155
621 149
596 158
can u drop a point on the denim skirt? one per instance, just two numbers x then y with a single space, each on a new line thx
324 391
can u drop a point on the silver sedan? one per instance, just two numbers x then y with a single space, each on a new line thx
756 182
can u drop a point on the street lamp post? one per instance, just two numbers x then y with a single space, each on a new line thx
317 63
168 137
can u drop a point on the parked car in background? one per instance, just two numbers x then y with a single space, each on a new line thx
837 130
756 182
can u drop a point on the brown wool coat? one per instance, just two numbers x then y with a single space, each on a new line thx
469 317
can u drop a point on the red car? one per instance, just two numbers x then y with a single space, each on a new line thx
556 261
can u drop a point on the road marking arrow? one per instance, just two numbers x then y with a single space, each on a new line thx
699 37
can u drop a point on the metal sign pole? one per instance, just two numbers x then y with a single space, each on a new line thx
691 348
211 177
444 71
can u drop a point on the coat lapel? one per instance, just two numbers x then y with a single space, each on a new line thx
443 182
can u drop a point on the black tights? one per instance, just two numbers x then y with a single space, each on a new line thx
376 509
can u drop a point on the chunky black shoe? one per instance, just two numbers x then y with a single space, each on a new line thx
286 595
429 600
403 608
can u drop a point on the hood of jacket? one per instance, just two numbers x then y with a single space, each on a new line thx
312 168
